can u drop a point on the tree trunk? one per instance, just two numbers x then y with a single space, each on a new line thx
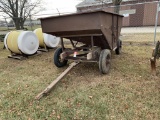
17 23
21 24
116 9
117 4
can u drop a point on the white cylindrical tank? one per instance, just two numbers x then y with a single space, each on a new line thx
46 39
21 42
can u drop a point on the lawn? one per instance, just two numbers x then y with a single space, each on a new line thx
13 28
128 92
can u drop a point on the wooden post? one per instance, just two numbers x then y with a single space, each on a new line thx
153 65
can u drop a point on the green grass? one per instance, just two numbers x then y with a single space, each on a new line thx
6 29
13 28
137 38
1 37
128 92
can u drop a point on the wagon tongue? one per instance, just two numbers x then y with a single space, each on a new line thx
49 88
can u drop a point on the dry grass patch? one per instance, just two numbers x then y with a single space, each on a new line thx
13 28
128 92
145 39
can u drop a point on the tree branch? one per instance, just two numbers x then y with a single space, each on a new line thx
19 10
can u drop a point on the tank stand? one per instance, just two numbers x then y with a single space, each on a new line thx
18 56
45 49
22 56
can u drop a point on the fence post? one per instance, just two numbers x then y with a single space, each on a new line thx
156 22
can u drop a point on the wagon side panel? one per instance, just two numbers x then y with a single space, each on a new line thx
116 25
71 25
106 28
120 21
111 28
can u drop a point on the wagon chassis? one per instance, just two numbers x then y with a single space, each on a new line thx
84 53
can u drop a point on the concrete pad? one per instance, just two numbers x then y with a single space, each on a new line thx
129 30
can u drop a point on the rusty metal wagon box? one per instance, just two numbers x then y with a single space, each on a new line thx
105 24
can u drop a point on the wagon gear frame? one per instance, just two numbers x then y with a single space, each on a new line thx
95 30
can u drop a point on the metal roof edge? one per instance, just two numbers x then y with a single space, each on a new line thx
93 11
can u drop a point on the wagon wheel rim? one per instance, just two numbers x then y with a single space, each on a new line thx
60 60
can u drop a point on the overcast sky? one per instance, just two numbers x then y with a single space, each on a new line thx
62 3
52 7
61 6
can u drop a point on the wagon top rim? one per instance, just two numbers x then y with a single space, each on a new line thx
78 13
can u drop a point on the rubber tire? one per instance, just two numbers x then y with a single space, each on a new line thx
103 66
57 61
119 47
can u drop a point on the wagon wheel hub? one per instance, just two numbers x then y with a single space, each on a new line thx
108 60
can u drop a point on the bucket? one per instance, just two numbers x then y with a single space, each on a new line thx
21 42
46 39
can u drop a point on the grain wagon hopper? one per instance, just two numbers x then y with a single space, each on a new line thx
97 32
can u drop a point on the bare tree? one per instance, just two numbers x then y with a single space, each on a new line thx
19 10
117 5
